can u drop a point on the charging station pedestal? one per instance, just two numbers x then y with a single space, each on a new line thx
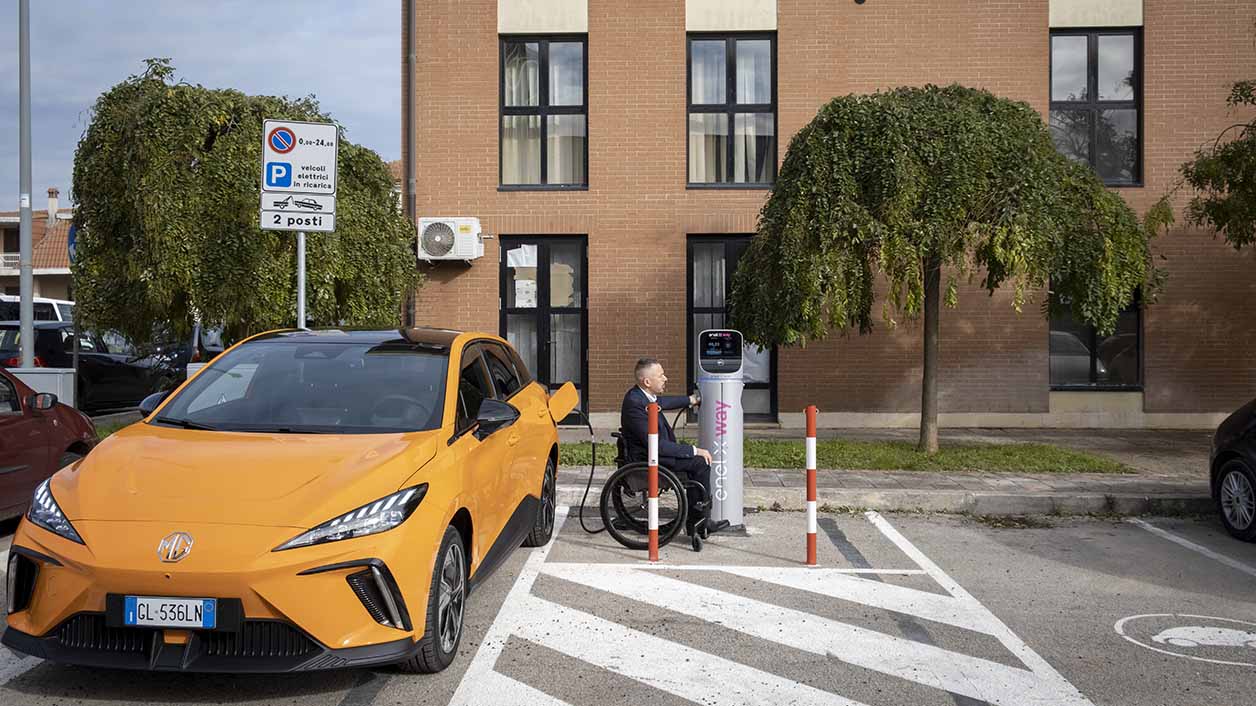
721 429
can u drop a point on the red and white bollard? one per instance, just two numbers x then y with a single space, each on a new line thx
811 485
652 475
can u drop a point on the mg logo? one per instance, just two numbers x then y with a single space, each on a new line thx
174 547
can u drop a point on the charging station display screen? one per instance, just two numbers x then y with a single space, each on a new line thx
720 351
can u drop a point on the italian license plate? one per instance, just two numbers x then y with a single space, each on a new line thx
156 612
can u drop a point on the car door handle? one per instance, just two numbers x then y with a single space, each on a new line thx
513 438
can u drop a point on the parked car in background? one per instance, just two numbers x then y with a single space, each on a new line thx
201 346
38 436
1232 460
45 309
112 373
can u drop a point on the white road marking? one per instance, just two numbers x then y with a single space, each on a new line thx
887 596
647 566
1005 635
471 690
668 666
888 654
1215 556
504 690
1120 630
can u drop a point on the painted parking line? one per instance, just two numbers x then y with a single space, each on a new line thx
705 678
1199 548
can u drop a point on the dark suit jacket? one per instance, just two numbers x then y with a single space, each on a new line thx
634 423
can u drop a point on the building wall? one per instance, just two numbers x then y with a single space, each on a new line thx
637 211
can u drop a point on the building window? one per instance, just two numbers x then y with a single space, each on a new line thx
732 110
544 309
1081 359
712 262
544 113
1096 99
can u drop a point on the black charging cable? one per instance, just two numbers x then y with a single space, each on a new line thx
593 466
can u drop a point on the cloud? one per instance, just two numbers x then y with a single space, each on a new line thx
346 54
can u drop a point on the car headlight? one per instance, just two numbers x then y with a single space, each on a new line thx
45 513
372 518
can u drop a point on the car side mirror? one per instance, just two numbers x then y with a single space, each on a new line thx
150 403
494 415
42 401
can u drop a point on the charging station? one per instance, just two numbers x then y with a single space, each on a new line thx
721 429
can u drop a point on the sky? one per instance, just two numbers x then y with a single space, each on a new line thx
347 54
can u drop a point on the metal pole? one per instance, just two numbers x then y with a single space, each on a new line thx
300 279
26 279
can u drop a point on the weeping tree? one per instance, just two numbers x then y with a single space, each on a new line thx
166 179
1223 175
916 190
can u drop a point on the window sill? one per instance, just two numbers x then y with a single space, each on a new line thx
1096 388
543 187
733 187
1124 184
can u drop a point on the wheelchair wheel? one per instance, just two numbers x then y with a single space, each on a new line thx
625 512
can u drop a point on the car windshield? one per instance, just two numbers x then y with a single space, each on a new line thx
286 386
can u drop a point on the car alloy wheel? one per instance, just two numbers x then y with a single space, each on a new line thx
548 501
1238 500
453 597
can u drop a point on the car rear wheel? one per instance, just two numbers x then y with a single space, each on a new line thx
544 526
1236 500
446 602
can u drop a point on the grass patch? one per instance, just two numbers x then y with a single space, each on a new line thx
895 456
104 430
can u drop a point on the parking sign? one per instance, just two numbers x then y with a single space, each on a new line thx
299 176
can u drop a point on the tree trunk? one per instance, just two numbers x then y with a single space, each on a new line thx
929 385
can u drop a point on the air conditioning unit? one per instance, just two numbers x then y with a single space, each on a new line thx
449 239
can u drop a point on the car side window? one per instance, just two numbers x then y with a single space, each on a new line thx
500 367
85 342
9 403
474 387
115 343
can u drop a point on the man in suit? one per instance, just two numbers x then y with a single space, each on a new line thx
685 460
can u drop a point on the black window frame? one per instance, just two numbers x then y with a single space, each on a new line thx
1092 343
543 311
469 351
542 108
494 351
734 245
15 404
1093 106
731 107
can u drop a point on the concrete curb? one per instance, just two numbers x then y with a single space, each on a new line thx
972 502
118 417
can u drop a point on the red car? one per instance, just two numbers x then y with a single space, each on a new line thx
38 436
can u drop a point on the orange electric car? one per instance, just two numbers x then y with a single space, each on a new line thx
309 500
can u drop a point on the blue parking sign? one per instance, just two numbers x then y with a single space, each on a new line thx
278 175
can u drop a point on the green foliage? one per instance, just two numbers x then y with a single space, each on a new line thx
880 185
1224 176
892 456
166 179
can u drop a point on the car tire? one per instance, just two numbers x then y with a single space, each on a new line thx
543 528
1236 499
438 647
67 458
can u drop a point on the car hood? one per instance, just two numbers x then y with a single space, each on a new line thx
153 473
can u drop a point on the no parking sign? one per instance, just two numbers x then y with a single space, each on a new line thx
299 176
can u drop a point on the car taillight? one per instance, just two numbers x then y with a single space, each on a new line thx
196 356
16 362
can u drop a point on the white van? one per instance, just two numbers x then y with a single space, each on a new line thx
45 309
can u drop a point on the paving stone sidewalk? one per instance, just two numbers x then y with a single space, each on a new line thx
1170 476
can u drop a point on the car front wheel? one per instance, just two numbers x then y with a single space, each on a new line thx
543 528
446 603
1236 500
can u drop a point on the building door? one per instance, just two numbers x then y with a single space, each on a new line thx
544 308
712 261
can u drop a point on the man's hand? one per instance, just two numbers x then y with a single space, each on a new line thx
695 400
703 453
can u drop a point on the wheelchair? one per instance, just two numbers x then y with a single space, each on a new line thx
625 511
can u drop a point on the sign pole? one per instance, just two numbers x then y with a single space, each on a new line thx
300 279
26 281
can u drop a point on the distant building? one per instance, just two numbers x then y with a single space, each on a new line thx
50 260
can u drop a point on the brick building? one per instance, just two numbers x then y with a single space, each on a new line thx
618 154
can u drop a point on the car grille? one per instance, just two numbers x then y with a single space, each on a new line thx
258 638
367 591
88 631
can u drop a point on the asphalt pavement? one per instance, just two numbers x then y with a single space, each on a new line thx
903 609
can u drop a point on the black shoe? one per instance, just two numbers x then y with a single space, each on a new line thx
712 526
